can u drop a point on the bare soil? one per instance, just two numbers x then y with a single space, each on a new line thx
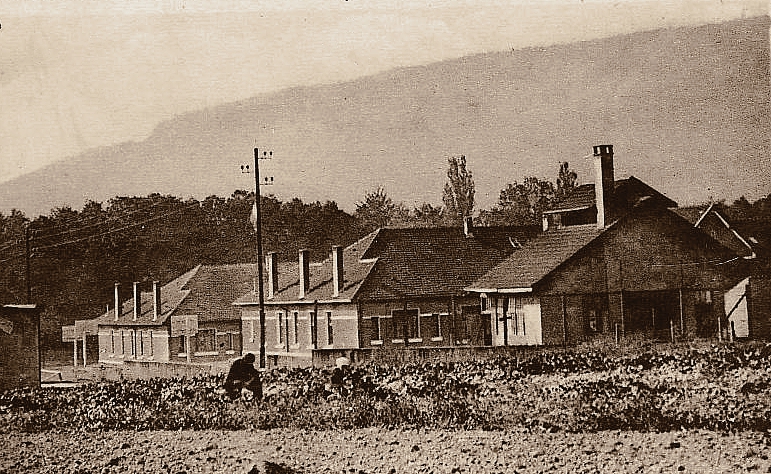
384 451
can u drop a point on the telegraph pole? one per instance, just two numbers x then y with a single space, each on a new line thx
258 230
28 262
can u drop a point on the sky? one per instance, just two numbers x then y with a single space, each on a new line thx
76 75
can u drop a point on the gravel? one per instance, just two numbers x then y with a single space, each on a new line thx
383 451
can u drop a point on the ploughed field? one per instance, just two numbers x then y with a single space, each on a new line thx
679 409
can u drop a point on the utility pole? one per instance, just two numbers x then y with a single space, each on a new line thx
28 262
258 230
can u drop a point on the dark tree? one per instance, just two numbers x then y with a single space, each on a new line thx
566 180
378 210
458 191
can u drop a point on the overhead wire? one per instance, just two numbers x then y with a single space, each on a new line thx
120 229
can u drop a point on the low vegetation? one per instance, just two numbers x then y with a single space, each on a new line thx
721 388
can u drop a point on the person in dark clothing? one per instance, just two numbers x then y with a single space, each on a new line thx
242 375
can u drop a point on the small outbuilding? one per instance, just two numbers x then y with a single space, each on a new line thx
19 346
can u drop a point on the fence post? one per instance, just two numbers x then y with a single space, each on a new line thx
671 331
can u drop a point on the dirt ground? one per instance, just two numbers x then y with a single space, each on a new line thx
384 451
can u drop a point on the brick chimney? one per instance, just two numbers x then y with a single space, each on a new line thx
272 268
337 270
117 301
468 226
305 275
156 300
604 183
137 301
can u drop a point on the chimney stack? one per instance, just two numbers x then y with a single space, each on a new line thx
156 301
337 270
604 183
305 276
117 301
468 226
270 263
137 300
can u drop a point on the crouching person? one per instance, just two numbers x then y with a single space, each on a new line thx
243 375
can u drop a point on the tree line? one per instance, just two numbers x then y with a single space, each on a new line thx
75 256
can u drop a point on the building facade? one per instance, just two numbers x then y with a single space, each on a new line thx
635 269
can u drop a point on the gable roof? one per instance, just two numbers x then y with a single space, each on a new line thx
394 263
729 236
536 259
627 192
207 291
424 262
543 255
355 270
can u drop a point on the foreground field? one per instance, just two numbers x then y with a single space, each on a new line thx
683 409
375 450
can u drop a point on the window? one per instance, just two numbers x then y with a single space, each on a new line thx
150 344
592 321
141 343
399 324
205 341
438 326
312 317
294 334
330 335
415 319
377 330
251 330
406 323
280 327
519 320
112 341
133 336
483 302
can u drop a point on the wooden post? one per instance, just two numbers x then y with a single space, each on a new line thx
682 320
564 324
75 352
84 348
719 329
623 326
616 333
505 318
672 331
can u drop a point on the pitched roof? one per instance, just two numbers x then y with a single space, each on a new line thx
690 213
537 258
207 291
627 193
420 262
355 270
172 295
406 262
735 237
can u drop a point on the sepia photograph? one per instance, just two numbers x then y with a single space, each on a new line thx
385 236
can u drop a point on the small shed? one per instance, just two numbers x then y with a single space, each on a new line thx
19 346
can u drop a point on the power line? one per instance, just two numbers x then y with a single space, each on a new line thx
45 247
105 221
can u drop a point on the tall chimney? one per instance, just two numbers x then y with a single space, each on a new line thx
137 301
305 275
156 300
270 263
117 301
604 183
468 226
337 270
